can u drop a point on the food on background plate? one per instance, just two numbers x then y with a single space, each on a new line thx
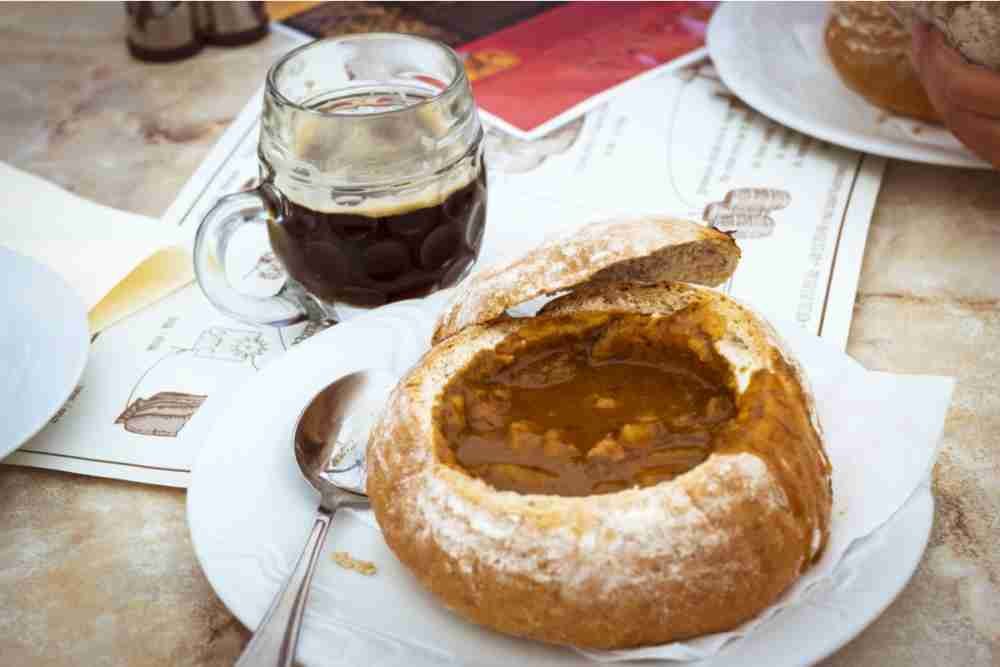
870 48
638 463
972 28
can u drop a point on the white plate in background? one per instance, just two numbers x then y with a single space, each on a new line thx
772 56
44 341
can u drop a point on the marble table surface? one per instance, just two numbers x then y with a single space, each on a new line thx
101 572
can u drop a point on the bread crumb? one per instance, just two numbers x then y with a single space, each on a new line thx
348 562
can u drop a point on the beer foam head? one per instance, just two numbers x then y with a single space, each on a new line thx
383 201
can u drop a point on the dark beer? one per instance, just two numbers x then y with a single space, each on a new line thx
372 181
371 257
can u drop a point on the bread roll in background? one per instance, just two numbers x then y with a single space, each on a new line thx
870 49
973 28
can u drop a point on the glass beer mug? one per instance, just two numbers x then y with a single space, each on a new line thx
373 187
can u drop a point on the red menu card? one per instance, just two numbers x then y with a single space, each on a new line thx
534 65
544 71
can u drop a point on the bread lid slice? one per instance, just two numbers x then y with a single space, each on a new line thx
644 249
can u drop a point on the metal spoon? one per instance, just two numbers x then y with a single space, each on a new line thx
330 441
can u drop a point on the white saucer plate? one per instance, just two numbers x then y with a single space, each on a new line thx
44 340
772 56
249 512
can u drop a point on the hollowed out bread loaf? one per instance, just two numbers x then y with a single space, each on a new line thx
701 553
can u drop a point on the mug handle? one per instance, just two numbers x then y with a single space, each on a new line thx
289 306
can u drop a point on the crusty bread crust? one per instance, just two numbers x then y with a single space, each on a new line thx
971 27
648 249
869 49
699 554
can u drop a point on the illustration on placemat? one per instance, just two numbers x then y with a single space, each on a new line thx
486 62
163 414
510 155
686 192
163 409
745 213
224 344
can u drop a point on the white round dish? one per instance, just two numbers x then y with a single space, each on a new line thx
249 512
43 346
772 56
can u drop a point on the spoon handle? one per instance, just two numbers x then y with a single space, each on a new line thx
276 637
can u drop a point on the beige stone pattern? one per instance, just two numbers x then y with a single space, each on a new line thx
929 302
99 572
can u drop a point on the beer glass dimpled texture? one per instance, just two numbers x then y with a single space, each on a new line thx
373 187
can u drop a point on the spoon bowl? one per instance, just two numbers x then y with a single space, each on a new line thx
332 433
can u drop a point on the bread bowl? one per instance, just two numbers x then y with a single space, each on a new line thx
701 503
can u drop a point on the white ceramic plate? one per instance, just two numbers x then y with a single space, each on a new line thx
772 56
249 512
43 346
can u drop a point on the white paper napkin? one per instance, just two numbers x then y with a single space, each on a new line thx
118 262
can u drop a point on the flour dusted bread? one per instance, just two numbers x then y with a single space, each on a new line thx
973 28
656 562
869 44
870 50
